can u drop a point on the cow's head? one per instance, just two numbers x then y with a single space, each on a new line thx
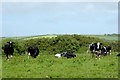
10 43
103 50
63 53
99 45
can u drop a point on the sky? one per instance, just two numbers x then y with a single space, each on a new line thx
40 18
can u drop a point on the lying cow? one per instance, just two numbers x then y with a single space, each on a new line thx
106 50
65 54
8 49
33 51
95 47
60 55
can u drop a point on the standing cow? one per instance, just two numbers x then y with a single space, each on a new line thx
8 49
33 51
95 47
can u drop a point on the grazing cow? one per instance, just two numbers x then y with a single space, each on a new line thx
106 50
33 51
95 47
8 49
65 54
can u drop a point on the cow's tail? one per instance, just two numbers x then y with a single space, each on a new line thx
87 51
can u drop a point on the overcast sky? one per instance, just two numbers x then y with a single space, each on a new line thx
38 18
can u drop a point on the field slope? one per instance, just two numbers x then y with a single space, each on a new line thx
47 66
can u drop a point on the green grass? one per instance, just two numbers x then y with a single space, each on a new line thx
107 38
46 36
47 66
29 37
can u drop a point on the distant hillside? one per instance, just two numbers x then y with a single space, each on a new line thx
106 37
30 37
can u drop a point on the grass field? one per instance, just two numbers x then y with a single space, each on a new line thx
47 66
30 37
107 38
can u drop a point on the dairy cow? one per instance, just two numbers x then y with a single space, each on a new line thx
33 51
95 48
106 50
65 54
8 49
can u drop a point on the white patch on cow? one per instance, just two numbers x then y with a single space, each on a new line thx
58 55
10 41
104 48
11 56
98 44
29 54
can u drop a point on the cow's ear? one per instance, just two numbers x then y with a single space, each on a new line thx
100 43
8 42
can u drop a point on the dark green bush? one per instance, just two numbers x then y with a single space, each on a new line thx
70 43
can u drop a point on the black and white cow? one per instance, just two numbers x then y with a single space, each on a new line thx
95 47
65 54
106 50
33 51
69 55
60 55
8 49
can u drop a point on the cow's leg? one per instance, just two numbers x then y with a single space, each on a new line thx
11 55
92 54
7 57
99 56
110 52
28 55
96 54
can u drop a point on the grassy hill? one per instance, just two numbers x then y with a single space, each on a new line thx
47 66
29 37
107 38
